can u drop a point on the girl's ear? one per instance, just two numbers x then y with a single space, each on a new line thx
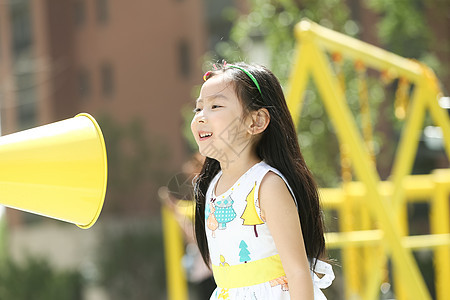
260 121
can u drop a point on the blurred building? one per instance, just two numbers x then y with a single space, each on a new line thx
127 60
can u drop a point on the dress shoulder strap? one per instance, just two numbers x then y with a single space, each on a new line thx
262 170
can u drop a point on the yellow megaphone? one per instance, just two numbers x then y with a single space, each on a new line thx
57 170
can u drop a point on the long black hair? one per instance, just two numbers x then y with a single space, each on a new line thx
278 146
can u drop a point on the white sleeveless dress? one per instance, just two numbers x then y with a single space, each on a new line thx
245 262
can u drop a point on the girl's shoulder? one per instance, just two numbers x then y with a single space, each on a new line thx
275 198
263 168
270 179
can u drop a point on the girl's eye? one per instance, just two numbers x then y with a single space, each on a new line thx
198 109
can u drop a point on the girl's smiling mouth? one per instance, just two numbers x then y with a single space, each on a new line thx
203 135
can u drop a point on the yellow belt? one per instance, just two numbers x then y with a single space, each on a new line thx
246 274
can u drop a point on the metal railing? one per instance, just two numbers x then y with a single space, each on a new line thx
314 42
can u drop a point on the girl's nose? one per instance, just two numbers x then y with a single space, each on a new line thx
201 118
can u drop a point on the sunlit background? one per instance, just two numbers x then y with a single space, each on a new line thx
136 66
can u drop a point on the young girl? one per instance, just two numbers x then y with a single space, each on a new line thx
258 222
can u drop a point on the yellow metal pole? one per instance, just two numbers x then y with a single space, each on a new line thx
402 219
297 83
372 56
440 118
407 148
378 264
349 254
174 250
347 133
417 188
375 237
440 225
403 164
331 198
367 254
427 241
354 238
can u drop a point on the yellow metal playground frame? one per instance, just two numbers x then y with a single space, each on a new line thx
386 201
364 246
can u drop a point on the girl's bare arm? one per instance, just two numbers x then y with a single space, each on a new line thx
279 210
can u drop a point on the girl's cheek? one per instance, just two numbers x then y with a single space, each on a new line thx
193 126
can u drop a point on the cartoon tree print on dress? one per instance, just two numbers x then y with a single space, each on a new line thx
280 281
211 222
223 263
244 254
223 292
250 216
224 211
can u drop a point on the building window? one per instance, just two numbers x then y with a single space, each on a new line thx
107 77
102 8
1 54
26 101
21 27
27 117
79 13
22 41
184 58
1 58
84 84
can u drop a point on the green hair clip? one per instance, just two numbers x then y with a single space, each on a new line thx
248 74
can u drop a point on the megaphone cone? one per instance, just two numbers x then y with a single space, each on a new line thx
57 170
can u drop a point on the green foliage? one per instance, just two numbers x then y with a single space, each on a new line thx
35 279
317 137
132 264
273 22
402 30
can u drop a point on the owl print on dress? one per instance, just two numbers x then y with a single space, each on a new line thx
224 211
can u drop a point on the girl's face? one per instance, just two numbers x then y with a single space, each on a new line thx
218 126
